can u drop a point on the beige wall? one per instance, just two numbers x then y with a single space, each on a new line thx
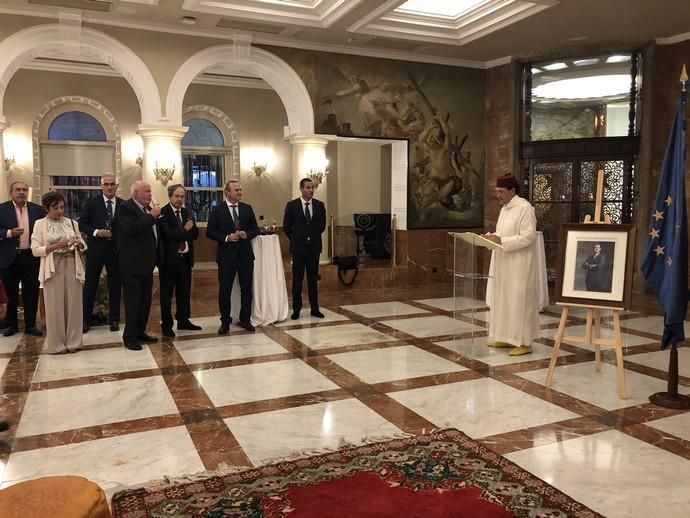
359 179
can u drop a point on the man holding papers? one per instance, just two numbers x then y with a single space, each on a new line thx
514 317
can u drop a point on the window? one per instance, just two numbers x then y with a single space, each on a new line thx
77 146
203 162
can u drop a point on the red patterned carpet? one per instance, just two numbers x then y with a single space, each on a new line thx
438 475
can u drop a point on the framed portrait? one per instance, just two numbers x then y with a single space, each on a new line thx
595 265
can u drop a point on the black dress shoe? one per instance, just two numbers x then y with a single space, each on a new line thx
246 325
85 328
133 346
33 331
4 426
114 325
9 331
148 339
223 329
188 326
168 331
316 313
295 315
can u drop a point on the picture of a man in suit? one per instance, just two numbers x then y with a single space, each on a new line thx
178 232
232 225
17 263
139 250
597 278
304 222
98 221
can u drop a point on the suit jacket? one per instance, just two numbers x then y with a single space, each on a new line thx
298 230
172 234
92 218
220 224
138 249
8 221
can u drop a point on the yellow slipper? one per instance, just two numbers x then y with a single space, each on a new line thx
520 351
500 345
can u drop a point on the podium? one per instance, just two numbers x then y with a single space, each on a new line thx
471 275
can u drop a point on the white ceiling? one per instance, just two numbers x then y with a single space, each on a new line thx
477 33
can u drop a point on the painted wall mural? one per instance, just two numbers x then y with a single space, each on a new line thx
439 109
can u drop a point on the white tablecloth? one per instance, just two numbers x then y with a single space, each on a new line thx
270 299
542 278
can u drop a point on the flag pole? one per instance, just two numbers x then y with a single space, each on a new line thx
671 398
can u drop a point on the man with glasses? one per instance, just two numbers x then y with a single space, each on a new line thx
98 222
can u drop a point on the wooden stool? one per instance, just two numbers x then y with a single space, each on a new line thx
56 497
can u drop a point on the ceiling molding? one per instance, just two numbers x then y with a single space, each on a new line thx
261 39
209 77
318 13
671 40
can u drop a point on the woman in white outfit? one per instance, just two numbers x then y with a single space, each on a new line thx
57 241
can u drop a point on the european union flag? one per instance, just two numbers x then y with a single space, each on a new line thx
666 258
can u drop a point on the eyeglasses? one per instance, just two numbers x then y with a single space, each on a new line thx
109 184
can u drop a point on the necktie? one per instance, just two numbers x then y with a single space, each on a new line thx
109 214
183 244
307 213
235 217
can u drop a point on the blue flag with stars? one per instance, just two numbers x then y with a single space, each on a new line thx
665 263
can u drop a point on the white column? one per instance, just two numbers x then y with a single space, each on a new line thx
162 150
309 154
4 173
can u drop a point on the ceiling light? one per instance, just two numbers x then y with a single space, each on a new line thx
555 66
585 62
617 59
536 71
441 8
584 87
189 20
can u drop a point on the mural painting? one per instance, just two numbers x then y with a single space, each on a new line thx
362 97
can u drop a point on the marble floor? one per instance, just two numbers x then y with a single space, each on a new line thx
382 363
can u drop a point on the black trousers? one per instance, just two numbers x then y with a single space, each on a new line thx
226 276
94 267
137 294
175 277
23 269
306 259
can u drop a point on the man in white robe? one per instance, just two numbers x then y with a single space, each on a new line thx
514 316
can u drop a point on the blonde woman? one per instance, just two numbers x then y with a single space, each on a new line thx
57 241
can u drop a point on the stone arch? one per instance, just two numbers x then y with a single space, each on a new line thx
228 128
27 44
260 63
111 128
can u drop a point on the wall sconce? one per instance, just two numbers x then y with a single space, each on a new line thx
9 162
139 160
164 174
318 174
259 169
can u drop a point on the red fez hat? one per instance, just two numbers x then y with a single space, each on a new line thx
507 181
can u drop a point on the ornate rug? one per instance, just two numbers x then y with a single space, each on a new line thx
438 475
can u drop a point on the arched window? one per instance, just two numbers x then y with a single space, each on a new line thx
76 125
202 133
74 156
203 157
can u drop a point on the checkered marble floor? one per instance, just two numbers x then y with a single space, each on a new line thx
372 369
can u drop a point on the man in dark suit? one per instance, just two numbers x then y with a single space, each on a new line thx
303 223
98 221
232 225
178 232
138 239
17 263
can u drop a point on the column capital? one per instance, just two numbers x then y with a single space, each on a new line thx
311 140
162 131
4 124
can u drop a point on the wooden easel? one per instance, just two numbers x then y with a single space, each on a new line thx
593 317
